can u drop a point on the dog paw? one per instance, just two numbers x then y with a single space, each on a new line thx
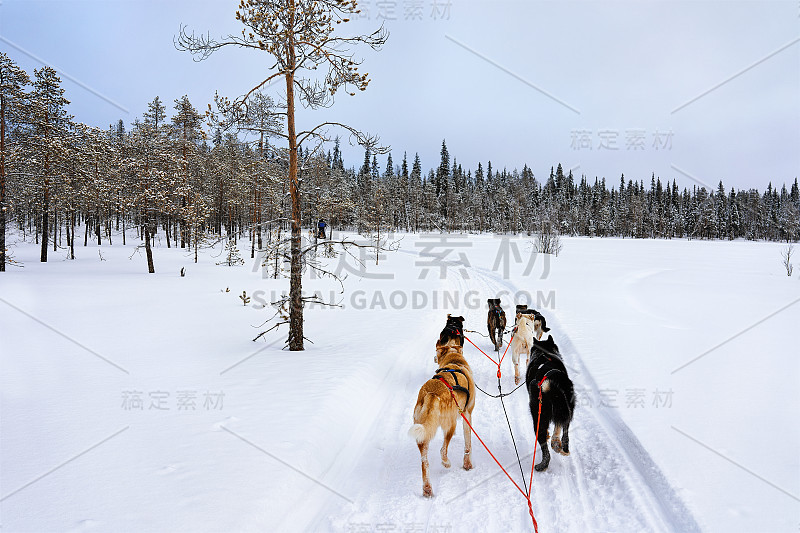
516 380
555 443
445 463
427 491
562 452
541 467
467 464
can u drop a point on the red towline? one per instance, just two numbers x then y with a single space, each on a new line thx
527 495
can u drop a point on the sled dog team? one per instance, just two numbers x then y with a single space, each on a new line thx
451 391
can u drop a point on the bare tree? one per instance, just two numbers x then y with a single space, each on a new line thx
299 35
786 254
547 240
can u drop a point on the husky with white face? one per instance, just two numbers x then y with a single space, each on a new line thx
522 342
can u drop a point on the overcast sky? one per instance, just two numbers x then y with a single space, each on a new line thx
696 91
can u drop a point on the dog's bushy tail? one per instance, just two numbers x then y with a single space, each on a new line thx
560 390
426 418
417 432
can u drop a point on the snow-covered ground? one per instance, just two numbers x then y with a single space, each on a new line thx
136 402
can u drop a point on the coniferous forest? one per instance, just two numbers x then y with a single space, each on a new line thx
188 177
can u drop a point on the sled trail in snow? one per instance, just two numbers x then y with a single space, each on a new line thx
608 483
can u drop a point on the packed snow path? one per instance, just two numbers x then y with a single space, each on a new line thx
317 440
608 483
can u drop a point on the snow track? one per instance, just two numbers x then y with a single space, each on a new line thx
317 440
608 483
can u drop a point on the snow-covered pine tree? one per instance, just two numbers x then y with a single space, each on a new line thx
187 136
415 193
13 80
48 126
232 255
441 181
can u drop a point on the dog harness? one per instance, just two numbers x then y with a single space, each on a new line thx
457 387
453 329
546 374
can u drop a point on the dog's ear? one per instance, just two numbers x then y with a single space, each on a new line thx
459 318
490 301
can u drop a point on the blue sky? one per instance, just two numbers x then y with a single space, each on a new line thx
696 91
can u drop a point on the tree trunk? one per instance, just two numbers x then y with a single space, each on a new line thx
3 185
295 279
253 228
150 268
2 221
72 239
45 228
277 250
109 218
56 230
97 226
259 219
220 210
183 225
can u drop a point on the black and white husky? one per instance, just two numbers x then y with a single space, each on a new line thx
547 370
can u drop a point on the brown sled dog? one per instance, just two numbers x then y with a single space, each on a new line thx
496 322
436 408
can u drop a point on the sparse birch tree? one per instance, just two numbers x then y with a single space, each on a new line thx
300 37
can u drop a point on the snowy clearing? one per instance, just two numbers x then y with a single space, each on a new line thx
136 402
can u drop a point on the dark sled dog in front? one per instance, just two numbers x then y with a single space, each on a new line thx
496 322
453 330
438 407
547 370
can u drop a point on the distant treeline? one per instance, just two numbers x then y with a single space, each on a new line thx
167 176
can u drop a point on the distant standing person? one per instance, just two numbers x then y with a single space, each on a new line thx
322 225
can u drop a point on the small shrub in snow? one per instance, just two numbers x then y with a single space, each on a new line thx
787 259
547 239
